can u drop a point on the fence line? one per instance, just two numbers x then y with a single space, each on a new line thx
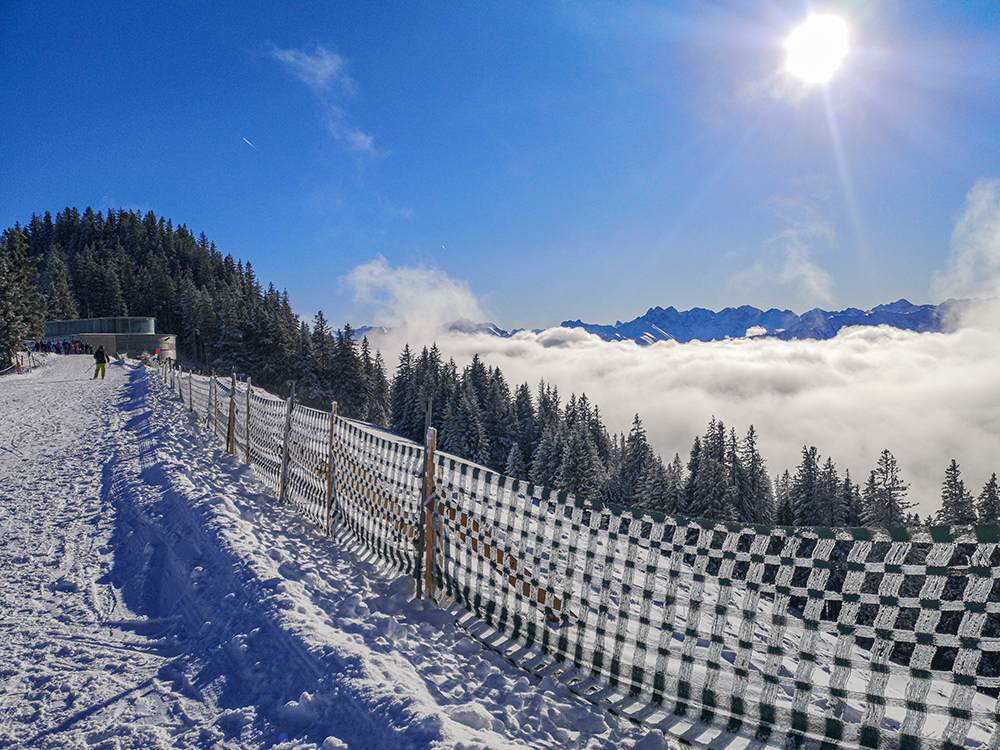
738 635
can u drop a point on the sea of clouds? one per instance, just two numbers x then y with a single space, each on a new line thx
927 397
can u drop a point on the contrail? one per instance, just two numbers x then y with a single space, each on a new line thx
251 145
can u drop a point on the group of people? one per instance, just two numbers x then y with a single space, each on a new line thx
63 347
101 357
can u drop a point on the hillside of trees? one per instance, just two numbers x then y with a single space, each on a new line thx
125 263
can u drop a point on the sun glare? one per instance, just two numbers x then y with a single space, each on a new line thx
817 48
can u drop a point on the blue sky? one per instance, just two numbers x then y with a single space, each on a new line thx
550 160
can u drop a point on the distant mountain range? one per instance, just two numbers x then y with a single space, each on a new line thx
698 324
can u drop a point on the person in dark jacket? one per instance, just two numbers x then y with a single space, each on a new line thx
101 357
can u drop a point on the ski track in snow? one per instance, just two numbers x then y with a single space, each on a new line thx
155 595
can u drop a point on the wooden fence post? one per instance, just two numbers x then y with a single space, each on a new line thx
331 470
231 432
284 444
213 403
430 508
191 390
249 388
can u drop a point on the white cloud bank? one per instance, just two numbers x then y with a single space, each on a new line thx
927 397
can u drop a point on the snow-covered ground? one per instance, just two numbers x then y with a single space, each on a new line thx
155 595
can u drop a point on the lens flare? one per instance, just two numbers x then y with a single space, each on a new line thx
817 48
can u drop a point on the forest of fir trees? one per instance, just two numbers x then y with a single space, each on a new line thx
126 263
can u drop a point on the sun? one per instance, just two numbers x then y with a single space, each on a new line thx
817 48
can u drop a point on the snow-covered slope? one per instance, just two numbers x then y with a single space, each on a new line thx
154 595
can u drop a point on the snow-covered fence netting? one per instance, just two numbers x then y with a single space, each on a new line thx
719 633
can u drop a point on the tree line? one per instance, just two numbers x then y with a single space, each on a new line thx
125 263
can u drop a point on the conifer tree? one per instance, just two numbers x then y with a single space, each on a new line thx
957 505
743 501
377 385
515 466
56 286
784 513
757 504
850 500
499 420
613 488
462 432
804 492
674 478
651 489
832 512
693 469
347 382
547 459
635 459
714 494
401 394
22 308
578 469
988 502
884 496
314 385
528 434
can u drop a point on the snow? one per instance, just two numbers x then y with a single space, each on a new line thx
156 595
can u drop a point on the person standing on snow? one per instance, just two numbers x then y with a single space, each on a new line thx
101 357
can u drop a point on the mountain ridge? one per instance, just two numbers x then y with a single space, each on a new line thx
701 324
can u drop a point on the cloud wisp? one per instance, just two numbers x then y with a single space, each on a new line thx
418 302
972 268
787 263
324 72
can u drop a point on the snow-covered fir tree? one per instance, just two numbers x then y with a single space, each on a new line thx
526 420
579 469
515 466
635 458
314 385
850 499
988 503
499 420
462 432
756 504
884 501
710 490
547 458
651 490
784 513
347 375
831 505
804 492
957 505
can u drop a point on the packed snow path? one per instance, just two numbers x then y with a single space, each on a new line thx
155 595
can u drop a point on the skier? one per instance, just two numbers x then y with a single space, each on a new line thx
101 357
